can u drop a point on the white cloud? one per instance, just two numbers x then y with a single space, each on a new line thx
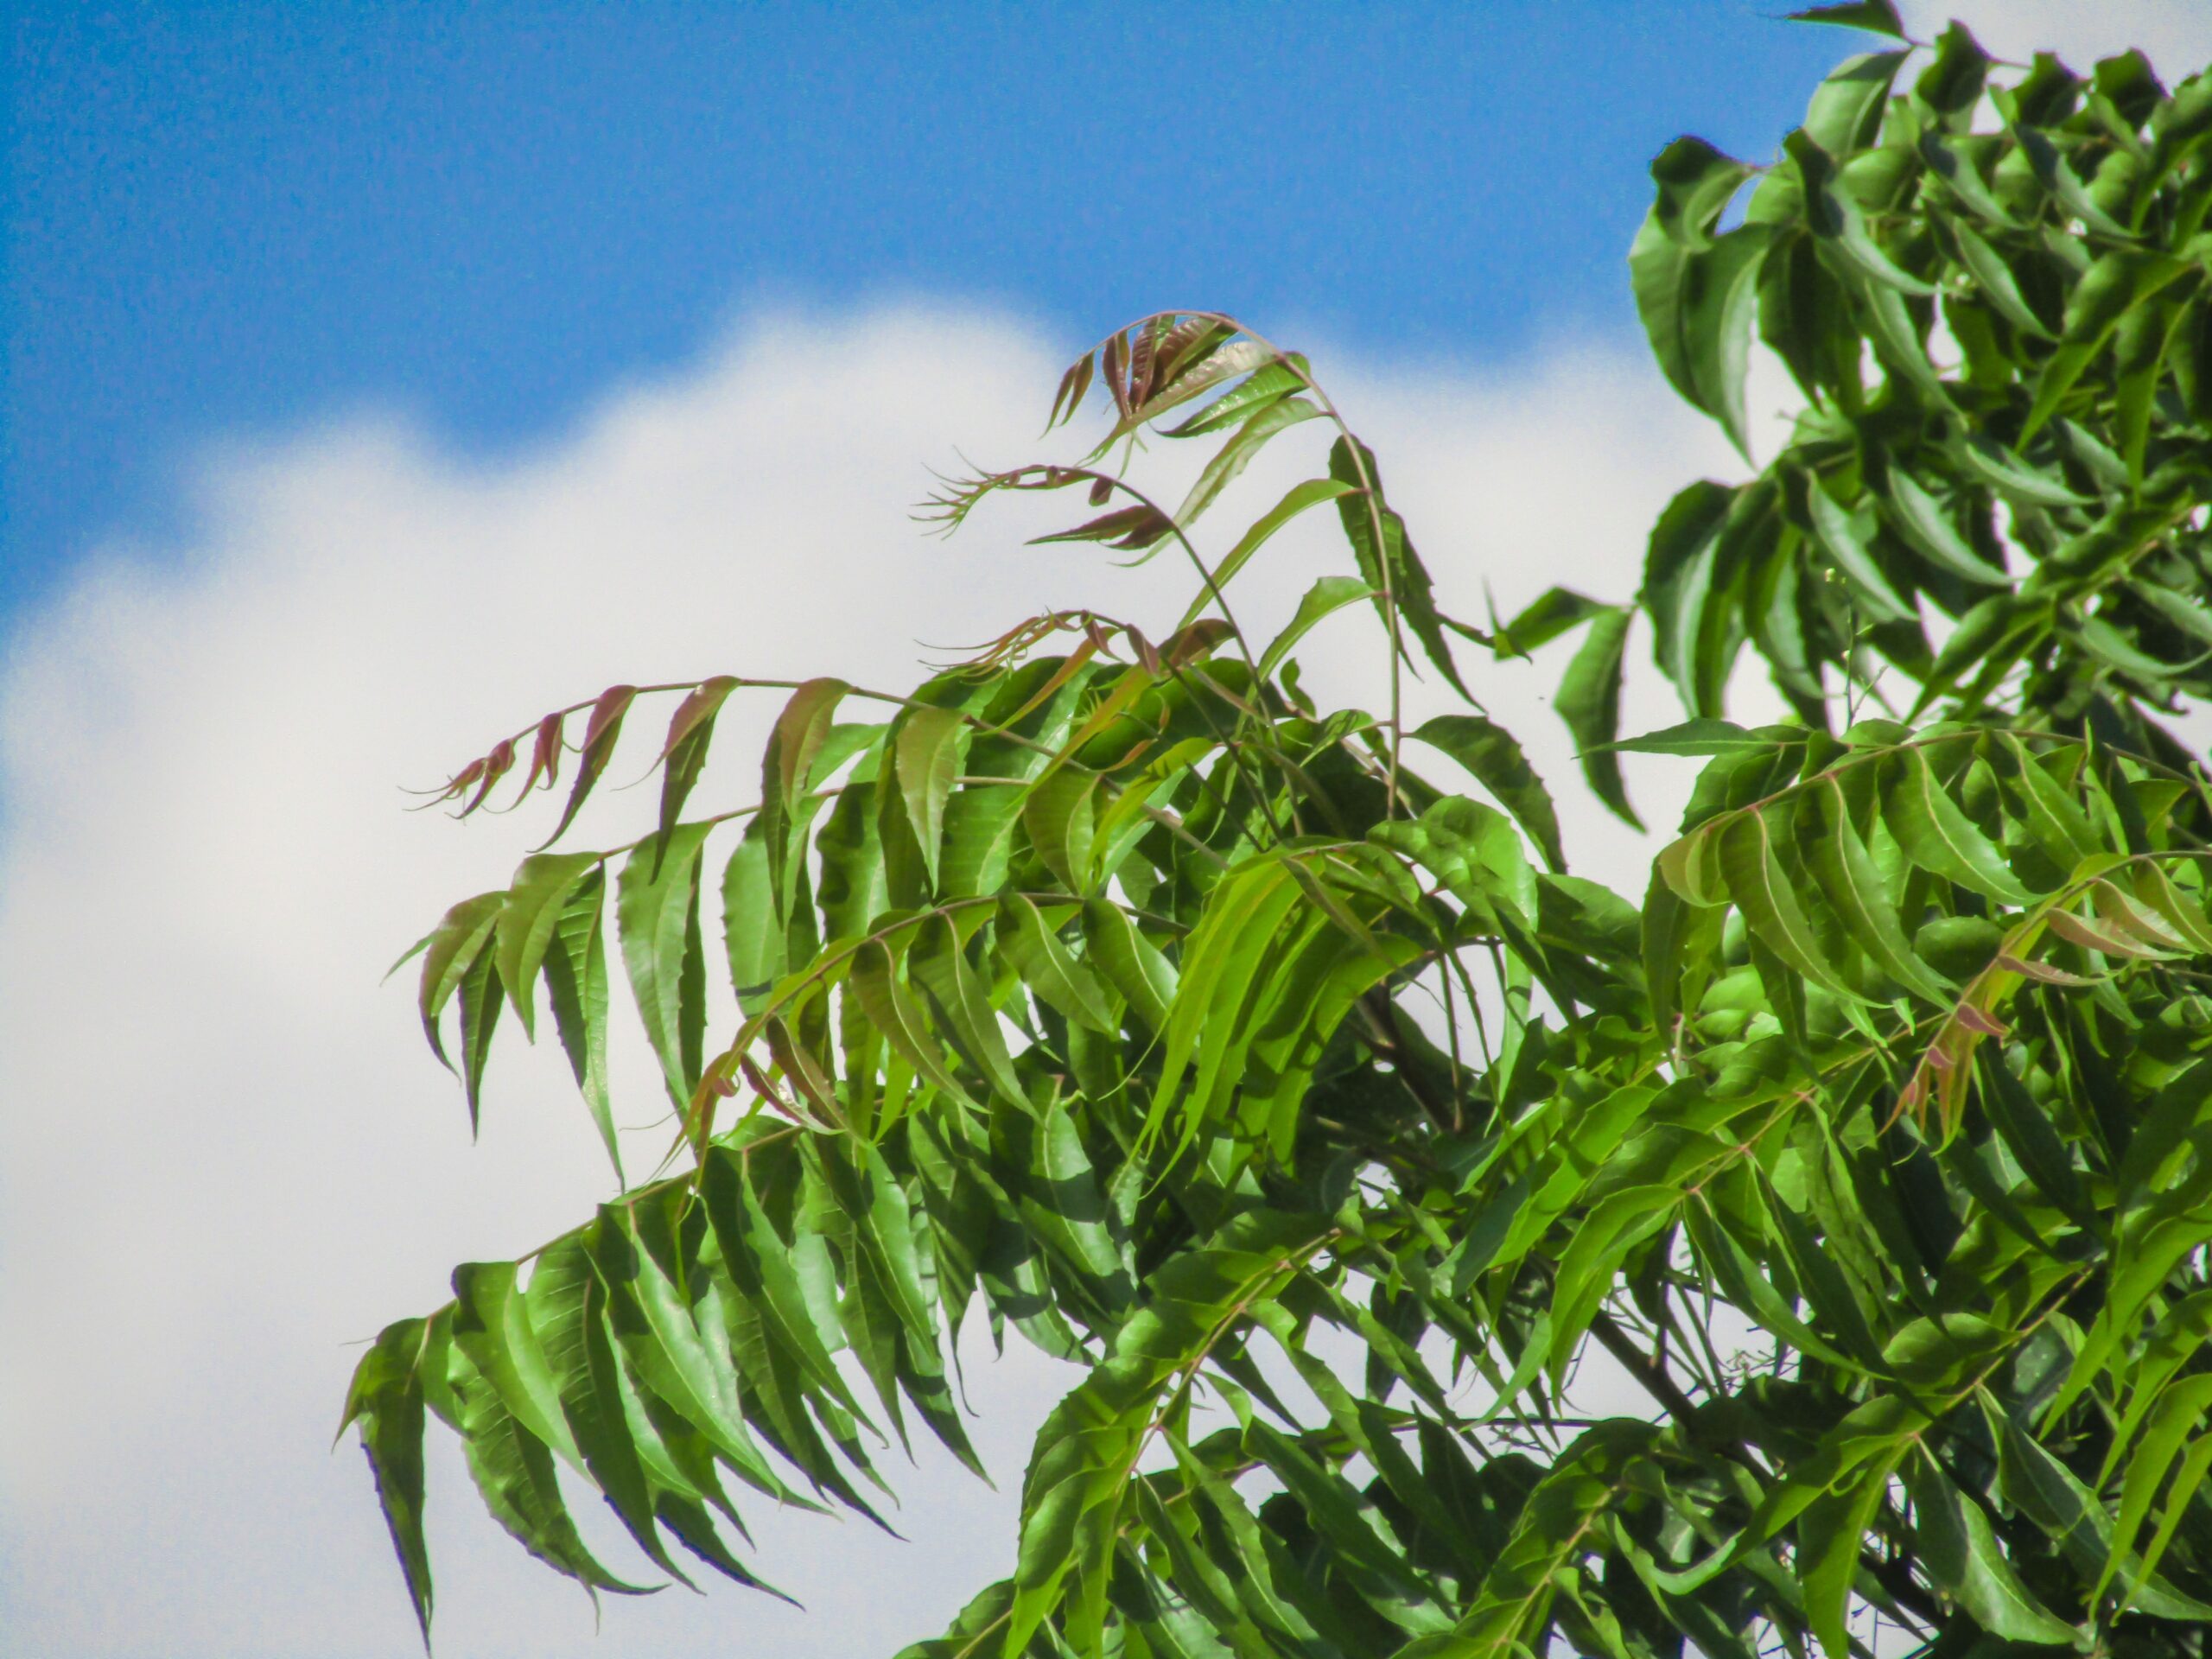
2175 35
224 1155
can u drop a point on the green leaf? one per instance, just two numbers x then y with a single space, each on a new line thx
1836 221
1767 895
1589 701
1938 836
1962 1554
1721 289
1991 274
2109 289
1388 563
1491 754
1698 737
1830 1532
2003 471
1034 949
1876 17
1270 381
657 909
567 1305
2189 1482
602 730
575 968
536 902
1843 535
643 1267
1678 580
1328 595
753 928
1059 813
1072 1494
513 1472
766 1276
1233 457
962 1004
1552 612
1930 528
453 946
491 1326
385 1399
2179 1413
892 1010
1311 493
1860 899
481 1000
1139 973
1695 183
1845 113
683 755
928 750
786 769
1683 295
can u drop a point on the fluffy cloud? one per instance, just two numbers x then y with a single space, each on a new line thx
2175 35
225 1155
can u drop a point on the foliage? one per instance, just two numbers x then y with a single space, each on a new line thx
1203 1036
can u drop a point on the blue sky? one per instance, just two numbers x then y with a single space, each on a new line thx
227 219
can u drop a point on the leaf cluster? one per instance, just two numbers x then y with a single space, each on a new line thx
1112 991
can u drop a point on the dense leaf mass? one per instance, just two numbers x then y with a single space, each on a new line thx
1106 988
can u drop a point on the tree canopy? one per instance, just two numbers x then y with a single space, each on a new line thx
1106 987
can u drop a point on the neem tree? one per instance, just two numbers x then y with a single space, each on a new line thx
1153 1011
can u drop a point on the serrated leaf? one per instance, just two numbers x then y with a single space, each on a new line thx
385 1399
1767 896
1387 561
683 755
491 1326
1589 701
481 998
1138 971
928 749
566 1308
1844 541
962 1004
1860 900
1697 737
1229 462
1325 598
892 1010
602 730
1034 949
1963 1555
1939 837
574 965
1829 1534
656 910
1491 754
1837 221
1876 17
514 1471
1930 528
1061 814
787 767
452 947
1991 273
2180 1411
536 901
2112 287
1311 493
752 927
